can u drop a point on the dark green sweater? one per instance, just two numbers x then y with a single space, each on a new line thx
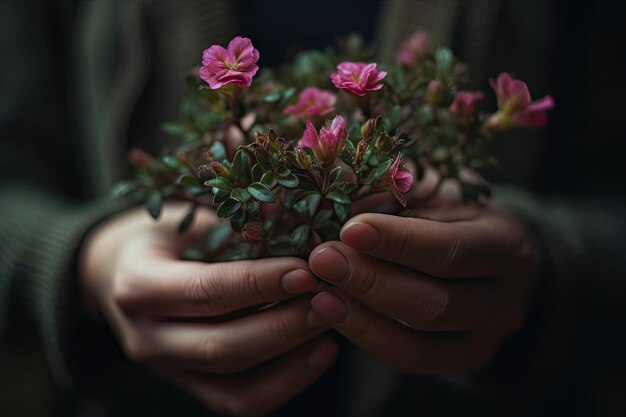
82 82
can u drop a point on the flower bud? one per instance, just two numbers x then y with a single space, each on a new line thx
252 232
434 93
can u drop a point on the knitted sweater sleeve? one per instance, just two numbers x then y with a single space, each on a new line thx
40 235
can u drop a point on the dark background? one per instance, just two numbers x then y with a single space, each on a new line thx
572 50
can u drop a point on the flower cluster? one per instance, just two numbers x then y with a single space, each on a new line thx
283 158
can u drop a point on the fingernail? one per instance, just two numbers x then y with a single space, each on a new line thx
330 264
314 321
324 355
330 307
298 281
361 236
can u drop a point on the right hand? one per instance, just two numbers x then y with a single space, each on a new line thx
173 315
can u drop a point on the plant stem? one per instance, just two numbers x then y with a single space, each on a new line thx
234 112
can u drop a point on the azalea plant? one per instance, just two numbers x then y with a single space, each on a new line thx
282 157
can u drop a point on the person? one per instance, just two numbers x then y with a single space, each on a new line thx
510 309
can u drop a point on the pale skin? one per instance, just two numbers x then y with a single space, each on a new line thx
172 315
429 295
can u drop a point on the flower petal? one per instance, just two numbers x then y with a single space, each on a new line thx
403 180
543 104
309 137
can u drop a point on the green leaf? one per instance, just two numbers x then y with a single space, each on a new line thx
267 178
393 118
188 109
189 180
384 143
444 60
241 167
280 246
342 210
283 171
261 192
240 194
257 172
171 162
154 203
219 182
423 114
187 221
380 171
217 236
196 191
312 201
339 195
272 97
228 208
175 128
220 196
263 159
322 218
289 93
238 219
192 254
208 121
300 239
123 188
290 181
218 151
253 208
335 173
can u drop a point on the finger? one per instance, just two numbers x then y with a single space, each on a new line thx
460 249
402 348
228 347
421 301
266 389
169 288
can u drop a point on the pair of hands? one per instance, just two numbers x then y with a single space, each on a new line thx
425 296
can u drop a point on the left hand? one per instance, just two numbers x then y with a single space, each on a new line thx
428 296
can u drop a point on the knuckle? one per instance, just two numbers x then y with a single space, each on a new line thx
404 243
433 306
203 290
212 350
368 281
281 328
252 281
456 250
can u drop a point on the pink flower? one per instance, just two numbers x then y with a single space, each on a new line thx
357 78
312 103
396 181
413 49
464 105
236 65
328 144
516 107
